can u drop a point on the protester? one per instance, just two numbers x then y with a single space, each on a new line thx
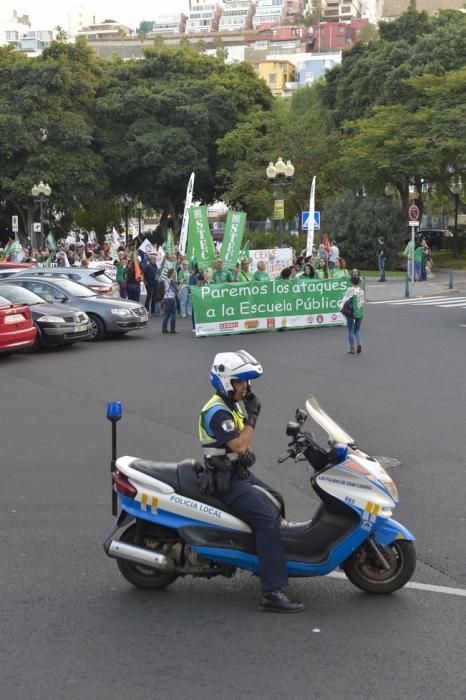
308 272
121 265
261 273
321 271
220 275
333 255
169 303
133 281
183 285
381 258
339 271
244 275
150 273
352 308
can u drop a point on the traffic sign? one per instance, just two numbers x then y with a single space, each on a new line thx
414 223
37 228
14 224
413 212
305 220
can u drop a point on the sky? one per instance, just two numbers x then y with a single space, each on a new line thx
45 14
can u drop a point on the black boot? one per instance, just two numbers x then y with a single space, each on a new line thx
278 601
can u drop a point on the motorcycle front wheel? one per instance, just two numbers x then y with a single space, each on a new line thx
137 574
366 572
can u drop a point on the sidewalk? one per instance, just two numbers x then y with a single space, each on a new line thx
395 288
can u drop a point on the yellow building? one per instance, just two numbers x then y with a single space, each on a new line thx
276 74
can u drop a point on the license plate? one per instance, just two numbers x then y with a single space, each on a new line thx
14 318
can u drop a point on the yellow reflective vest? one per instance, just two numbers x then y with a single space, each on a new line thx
210 446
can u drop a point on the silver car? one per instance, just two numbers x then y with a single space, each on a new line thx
106 315
94 278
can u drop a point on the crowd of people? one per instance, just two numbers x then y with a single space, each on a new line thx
169 276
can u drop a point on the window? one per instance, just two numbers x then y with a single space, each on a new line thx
272 78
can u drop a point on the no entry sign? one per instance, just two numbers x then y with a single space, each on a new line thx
413 212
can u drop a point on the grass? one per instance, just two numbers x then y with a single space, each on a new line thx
443 259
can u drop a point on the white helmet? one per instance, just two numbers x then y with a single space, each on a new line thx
233 365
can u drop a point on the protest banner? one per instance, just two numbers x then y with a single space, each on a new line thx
276 259
266 306
200 238
232 238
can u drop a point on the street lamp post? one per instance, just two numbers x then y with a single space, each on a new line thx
456 187
280 176
126 201
40 193
139 207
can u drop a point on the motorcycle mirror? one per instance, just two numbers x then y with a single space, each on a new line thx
300 415
292 429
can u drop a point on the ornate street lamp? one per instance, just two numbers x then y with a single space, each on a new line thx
456 186
279 176
41 192
139 207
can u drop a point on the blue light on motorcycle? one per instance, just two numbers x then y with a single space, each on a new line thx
114 411
341 451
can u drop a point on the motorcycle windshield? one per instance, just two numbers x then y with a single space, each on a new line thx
333 430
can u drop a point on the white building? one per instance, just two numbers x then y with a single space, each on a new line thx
16 31
338 10
204 16
167 25
79 17
269 11
104 30
237 15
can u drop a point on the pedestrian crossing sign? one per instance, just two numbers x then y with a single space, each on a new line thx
305 220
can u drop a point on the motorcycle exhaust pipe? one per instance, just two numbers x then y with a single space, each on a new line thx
139 555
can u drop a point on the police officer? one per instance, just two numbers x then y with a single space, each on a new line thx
226 434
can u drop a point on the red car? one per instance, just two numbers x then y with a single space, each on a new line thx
17 332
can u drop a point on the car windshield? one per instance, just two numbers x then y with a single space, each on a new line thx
100 276
19 295
74 288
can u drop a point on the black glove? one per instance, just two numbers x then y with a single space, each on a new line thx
253 408
247 459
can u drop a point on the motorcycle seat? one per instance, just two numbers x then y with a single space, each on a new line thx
189 486
163 471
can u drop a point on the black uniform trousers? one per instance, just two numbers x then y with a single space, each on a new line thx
251 506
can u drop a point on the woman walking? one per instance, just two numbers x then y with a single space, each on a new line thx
169 302
352 307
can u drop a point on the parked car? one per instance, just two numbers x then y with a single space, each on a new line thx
17 331
437 239
55 324
107 315
7 269
94 278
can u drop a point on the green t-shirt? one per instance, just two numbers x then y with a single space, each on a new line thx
220 277
120 272
243 276
338 273
320 274
261 276
418 253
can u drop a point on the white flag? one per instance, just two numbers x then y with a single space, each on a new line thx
184 225
310 226
116 237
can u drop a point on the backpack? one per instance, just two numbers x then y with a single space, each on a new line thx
347 308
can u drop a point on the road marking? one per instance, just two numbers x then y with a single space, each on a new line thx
425 301
417 586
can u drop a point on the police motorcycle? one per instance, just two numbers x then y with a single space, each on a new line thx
168 529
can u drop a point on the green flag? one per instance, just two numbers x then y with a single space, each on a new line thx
51 242
244 253
232 238
200 237
7 249
169 243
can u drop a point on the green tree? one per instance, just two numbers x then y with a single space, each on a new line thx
46 132
160 119
357 222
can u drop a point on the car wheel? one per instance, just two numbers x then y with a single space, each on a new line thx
97 328
38 340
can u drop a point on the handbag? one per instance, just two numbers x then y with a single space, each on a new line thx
347 308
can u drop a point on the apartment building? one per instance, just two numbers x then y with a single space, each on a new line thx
237 15
277 75
204 16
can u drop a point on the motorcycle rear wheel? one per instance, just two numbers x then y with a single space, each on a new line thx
137 574
365 571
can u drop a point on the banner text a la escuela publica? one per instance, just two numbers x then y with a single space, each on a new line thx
269 305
